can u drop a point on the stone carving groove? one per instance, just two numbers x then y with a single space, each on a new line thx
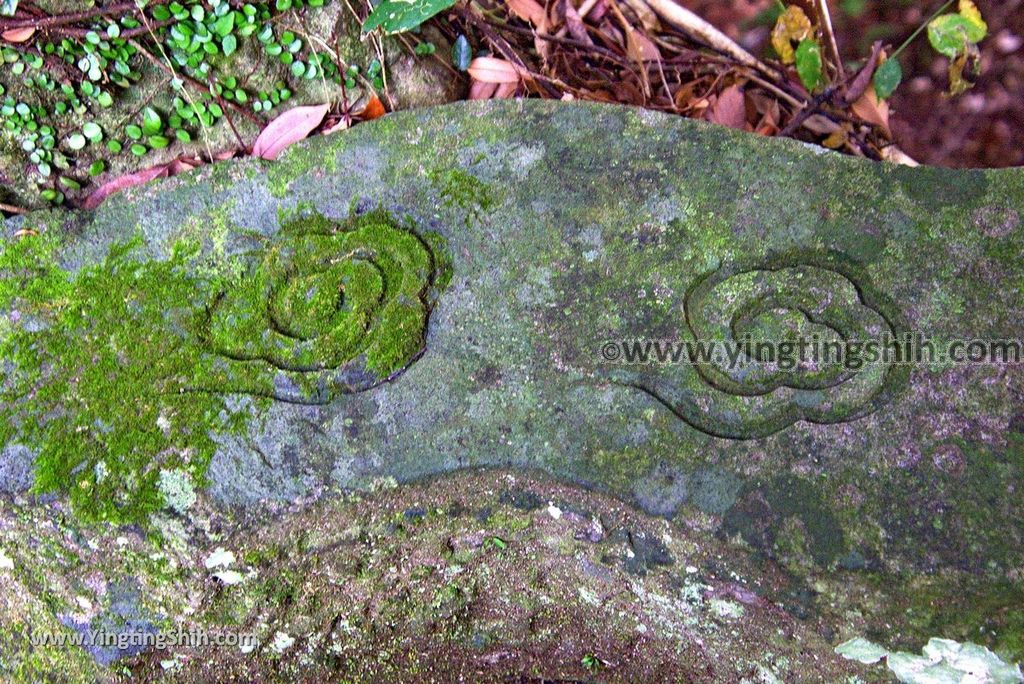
823 295
323 309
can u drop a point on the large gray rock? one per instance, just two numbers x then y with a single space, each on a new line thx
531 234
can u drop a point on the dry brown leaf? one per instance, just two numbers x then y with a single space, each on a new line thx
494 70
544 48
575 24
855 90
648 17
596 13
123 183
19 35
648 49
26 232
527 10
820 125
633 49
770 112
289 128
730 109
870 109
183 164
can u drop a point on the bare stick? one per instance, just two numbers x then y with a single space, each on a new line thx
11 209
830 35
705 32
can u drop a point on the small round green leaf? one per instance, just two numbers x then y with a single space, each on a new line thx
151 121
808 64
888 77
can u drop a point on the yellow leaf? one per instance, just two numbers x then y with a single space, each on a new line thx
791 27
963 70
969 11
837 139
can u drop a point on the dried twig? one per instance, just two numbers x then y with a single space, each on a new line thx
830 36
705 33
11 209
48 22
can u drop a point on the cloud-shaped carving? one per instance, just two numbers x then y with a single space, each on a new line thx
323 309
810 296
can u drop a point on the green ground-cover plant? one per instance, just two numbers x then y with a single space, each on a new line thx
799 42
61 86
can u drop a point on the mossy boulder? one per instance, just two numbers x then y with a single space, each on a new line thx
212 325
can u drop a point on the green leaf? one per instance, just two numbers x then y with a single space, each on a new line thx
158 142
808 64
93 132
76 141
462 54
97 167
950 34
396 16
225 25
151 121
114 146
139 149
183 135
229 44
888 77
8 7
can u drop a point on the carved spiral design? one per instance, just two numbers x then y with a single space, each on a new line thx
805 296
324 309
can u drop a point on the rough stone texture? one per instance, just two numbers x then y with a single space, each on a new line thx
568 226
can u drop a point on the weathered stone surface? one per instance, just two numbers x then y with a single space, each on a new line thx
565 227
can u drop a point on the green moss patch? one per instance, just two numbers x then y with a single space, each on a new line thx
121 371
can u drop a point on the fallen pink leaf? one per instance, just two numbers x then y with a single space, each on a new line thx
289 128
730 109
123 183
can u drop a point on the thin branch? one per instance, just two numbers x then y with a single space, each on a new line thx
43 23
11 209
231 123
697 28
922 27
830 36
